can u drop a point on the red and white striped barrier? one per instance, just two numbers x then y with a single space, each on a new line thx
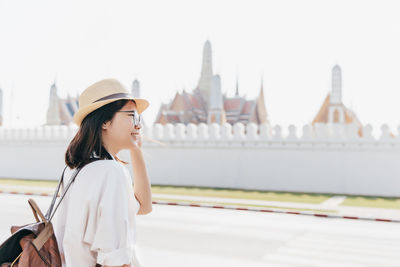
321 215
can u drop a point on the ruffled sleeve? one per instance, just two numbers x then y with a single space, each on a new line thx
113 237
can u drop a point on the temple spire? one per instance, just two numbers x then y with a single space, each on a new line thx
261 109
336 109
216 112
206 75
237 86
336 94
55 79
53 111
136 89
207 59
216 101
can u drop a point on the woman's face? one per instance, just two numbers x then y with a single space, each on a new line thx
120 130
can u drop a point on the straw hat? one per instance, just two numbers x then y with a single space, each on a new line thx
102 93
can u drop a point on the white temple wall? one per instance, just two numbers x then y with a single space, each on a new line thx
322 159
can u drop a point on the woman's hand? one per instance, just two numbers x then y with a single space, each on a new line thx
136 141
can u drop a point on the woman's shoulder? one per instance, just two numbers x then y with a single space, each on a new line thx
101 164
103 169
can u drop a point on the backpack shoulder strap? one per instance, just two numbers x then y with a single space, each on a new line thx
49 214
55 195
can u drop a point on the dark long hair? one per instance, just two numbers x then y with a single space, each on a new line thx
89 136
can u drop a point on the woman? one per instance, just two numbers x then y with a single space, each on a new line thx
95 223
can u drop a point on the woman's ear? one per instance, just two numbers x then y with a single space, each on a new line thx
106 124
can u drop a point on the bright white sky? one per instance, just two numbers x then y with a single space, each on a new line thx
293 44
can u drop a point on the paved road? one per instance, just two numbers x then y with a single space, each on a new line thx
197 237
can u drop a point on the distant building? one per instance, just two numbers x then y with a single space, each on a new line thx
333 110
207 104
61 111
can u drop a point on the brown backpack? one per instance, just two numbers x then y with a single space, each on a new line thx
35 244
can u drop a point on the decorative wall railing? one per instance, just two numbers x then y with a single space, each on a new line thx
226 133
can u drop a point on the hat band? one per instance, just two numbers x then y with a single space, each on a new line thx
117 95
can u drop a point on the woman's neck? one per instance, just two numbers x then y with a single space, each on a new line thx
111 150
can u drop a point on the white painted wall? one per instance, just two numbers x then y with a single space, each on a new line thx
322 159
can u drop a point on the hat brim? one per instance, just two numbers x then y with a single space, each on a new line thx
141 105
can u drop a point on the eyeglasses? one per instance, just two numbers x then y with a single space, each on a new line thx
137 118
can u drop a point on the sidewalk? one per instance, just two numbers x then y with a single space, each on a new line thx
331 206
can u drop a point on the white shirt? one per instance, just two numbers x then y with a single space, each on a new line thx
96 220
